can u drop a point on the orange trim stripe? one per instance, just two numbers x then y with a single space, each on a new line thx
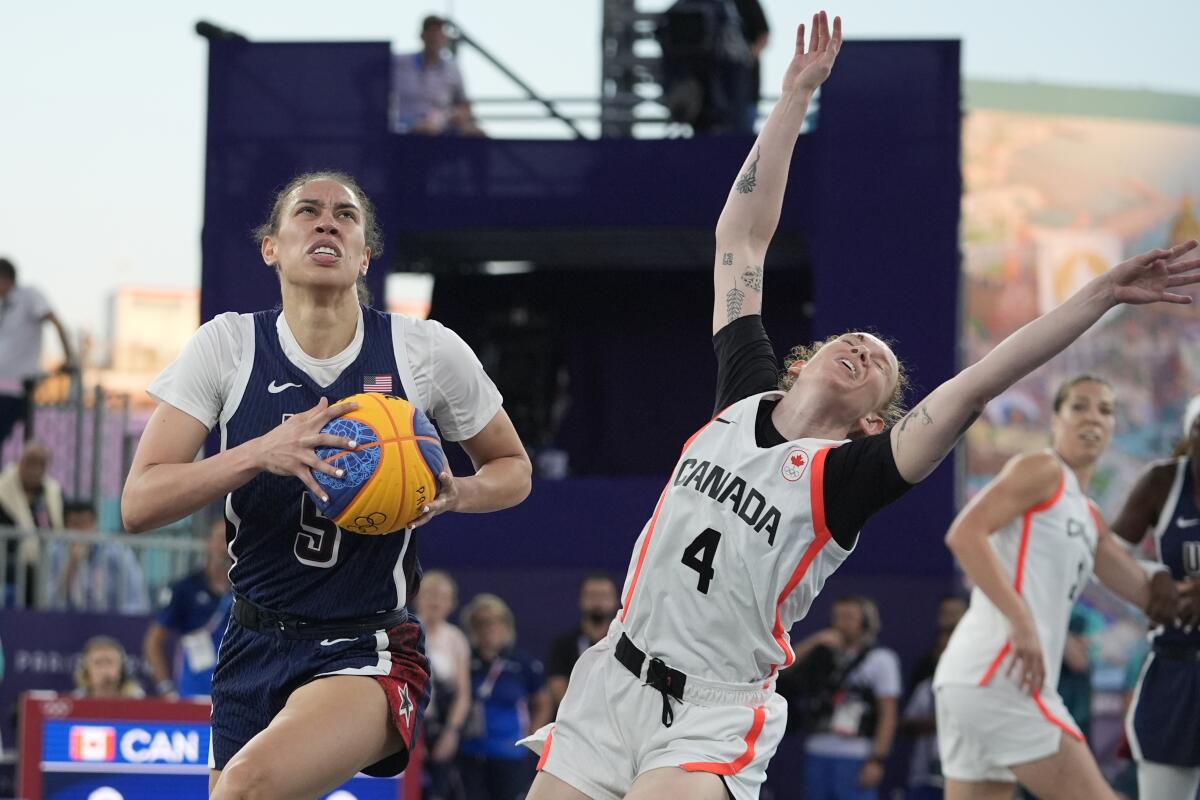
1058 493
991 671
820 539
637 571
1037 698
735 766
1022 551
1027 523
546 750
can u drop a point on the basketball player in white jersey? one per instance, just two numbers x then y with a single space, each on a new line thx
1030 541
766 502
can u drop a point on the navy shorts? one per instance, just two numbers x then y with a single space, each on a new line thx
1163 722
257 671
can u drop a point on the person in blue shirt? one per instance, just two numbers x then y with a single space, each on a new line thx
195 609
509 700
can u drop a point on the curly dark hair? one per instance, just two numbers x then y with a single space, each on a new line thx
892 410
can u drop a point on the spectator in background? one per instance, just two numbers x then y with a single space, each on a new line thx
104 671
98 576
706 66
852 705
427 88
757 33
950 610
597 607
30 500
919 720
196 609
509 702
450 669
23 309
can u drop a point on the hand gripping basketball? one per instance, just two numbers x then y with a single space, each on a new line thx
384 483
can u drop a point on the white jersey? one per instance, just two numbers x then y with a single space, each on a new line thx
1048 553
734 554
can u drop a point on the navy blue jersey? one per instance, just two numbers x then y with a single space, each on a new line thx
1177 541
287 556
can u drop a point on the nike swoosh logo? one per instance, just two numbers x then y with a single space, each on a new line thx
726 421
1180 522
327 642
273 389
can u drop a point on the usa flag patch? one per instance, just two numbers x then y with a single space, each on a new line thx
377 383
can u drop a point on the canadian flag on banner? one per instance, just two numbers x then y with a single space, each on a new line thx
93 743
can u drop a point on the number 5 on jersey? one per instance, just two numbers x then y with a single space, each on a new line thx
319 538
699 556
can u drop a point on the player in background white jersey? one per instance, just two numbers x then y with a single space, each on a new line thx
1030 541
708 720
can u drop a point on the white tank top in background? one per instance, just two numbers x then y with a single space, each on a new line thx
1048 553
734 554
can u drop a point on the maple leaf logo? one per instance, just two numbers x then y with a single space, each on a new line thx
794 464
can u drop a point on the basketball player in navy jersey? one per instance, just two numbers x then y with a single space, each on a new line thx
312 601
1163 726
767 500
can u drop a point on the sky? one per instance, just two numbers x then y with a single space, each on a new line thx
102 156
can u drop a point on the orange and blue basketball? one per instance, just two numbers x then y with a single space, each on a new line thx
391 475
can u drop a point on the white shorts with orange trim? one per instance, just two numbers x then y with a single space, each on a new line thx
984 730
609 731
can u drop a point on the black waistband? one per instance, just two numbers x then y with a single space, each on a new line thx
1178 652
257 618
667 681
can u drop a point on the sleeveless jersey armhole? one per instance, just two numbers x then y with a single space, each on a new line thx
237 388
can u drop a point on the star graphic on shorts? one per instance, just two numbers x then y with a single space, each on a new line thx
406 705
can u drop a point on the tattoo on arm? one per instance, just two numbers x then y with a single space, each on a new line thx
727 260
733 303
753 278
925 419
749 179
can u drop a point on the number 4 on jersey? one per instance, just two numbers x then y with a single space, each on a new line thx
699 556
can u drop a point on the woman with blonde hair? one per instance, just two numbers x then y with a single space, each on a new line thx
509 701
769 495
104 671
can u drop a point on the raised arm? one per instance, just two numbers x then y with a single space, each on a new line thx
752 209
931 429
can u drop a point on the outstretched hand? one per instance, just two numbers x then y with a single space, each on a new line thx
1146 278
809 70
